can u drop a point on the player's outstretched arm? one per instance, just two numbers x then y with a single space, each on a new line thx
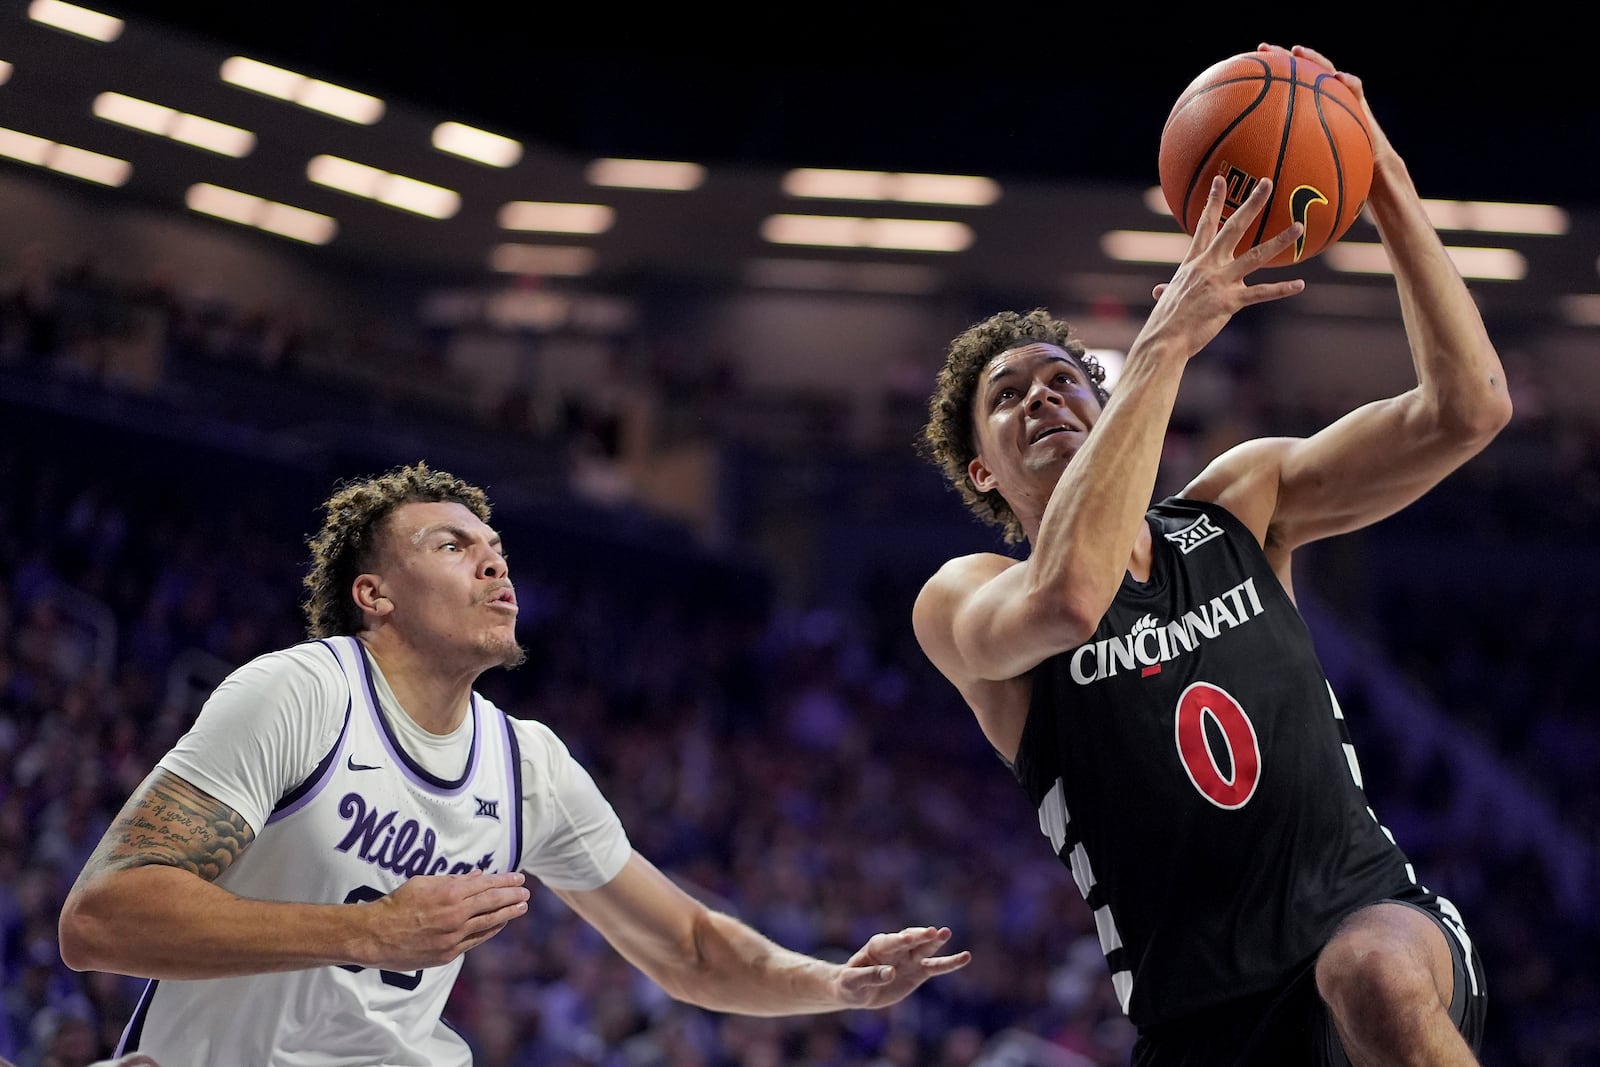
710 959
1384 455
145 903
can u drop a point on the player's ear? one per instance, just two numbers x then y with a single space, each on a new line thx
979 475
367 590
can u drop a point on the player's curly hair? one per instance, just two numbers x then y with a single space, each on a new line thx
344 547
948 439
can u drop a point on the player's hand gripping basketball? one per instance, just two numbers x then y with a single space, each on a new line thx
1383 152
1209 286
890 966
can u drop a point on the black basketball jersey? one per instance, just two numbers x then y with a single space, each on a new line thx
1191 766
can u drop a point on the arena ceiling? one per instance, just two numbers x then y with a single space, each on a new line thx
1045 101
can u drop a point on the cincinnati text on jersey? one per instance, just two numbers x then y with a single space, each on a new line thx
1150 643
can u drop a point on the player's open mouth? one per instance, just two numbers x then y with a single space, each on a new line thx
1047 431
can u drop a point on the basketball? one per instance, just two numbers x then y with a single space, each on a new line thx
1270 115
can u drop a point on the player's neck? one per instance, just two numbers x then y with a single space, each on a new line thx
436 700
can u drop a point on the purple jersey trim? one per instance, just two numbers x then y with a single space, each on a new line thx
135 1028
411 768
306 791
514 774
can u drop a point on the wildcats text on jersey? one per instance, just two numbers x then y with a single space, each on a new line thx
397 848
1151 643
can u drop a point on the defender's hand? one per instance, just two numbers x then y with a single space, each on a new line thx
890 966
432 919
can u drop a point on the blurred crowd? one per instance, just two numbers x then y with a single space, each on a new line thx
797 764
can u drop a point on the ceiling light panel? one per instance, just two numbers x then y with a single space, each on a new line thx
645 174
74 19
907 235
176 125
1535 220
1484 264
261 213
325 97
24 147
1143 246
954 189
64 159
542 216
393 190
480 146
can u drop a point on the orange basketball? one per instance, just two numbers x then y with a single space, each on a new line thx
1270 115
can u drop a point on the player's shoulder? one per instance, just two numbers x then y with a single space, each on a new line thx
310 663
1246 481
963 572
1257 460
947 590
549 766
534 737
528 731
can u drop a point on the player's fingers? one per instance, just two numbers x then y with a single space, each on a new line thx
911 941
1265 291
1269 249
861 980
485 922
1205 229
1313 55
934 966
479 883
493 902
1245 214
925 939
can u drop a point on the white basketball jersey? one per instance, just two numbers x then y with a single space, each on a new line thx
369 818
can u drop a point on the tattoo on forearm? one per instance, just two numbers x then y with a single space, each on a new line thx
170 822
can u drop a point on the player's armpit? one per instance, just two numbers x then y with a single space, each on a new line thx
170 822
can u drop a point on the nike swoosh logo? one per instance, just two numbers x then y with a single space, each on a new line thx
354 766
1300 202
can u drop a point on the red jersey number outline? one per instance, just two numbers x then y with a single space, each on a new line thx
1198 702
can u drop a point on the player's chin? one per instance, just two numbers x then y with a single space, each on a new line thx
501 646
1055 450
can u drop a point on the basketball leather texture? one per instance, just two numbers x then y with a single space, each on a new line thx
1270 115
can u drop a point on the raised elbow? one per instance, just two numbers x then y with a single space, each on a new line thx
1480 421
1495 415
1468 416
